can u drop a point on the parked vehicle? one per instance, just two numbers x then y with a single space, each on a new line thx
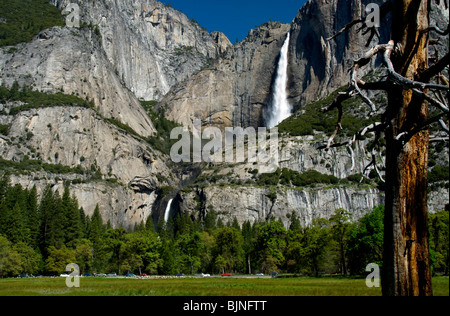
130 275
202 275
226 275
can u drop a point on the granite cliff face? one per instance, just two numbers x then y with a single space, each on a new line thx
150 45
319 66
71 61
123 51
234 89
234 191
119 172
237 88
255 204
74 137
129 51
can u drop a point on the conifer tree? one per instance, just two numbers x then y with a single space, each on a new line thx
4 185
55 232
32 217
248 233
45 213
210 221
96 236
84 222
295 222
115 242
72 223
149 225
96 227
3 216
15 229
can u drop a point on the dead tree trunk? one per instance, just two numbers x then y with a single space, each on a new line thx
406 259
406 267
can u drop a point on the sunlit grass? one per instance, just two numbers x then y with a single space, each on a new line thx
200 287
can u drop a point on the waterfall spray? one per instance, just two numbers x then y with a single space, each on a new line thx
167 213
281 109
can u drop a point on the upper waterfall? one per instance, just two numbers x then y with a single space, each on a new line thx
280 108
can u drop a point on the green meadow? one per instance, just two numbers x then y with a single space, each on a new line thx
200 287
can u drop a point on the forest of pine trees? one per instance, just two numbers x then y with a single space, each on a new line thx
40 236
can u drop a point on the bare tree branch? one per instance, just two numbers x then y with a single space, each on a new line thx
405 82
355 82
435 139
444 126
373 32
384 10
393 78
352 156
338 127
345 28
437 30
373 163
337 103
407 135
374 127
419 88
435 69
434 102
444 79
341 97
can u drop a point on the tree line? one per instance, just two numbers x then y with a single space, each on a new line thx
43 236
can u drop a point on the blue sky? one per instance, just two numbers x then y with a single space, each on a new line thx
236 18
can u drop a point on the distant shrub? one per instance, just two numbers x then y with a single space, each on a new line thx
288 177
439 173
270 179
38 165
36 99
122 126
24 19
161 141
165 191
4 129
310 119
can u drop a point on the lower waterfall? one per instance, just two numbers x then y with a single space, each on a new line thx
167 212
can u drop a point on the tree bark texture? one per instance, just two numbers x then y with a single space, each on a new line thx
406 268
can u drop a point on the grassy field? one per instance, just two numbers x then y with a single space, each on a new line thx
199 287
